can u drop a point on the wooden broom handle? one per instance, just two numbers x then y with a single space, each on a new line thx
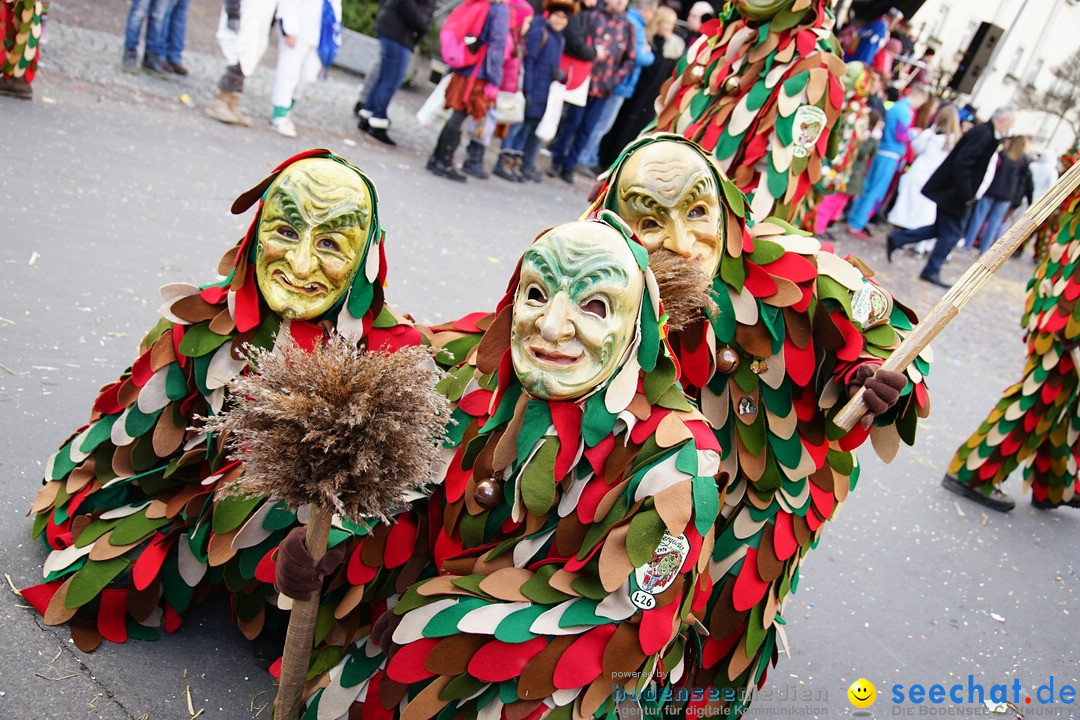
966 287
294 663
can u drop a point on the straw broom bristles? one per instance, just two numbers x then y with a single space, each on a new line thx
336 427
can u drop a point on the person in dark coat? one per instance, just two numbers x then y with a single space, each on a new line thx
640 108
952 187
1011 184
399 24
543 49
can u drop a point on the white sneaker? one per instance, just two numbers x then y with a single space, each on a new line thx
283 126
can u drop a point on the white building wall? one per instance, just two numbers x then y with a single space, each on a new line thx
1039 35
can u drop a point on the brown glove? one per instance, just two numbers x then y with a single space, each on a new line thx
382 632
296 574
882 389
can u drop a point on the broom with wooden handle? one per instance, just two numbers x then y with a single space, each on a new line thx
340 430
966 287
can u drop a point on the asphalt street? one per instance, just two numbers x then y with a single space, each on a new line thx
109 190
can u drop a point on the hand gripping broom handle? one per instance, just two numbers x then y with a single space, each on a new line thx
966 287
294 663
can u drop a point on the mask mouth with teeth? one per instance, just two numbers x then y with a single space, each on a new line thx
312 233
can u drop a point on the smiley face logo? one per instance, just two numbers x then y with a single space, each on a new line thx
862 693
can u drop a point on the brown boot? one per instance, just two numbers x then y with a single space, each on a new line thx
16 87
234 104
505 167
220 109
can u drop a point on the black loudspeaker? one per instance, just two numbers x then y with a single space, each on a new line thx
977 58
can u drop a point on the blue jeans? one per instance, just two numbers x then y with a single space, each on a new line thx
174 30
522 138
153 11
882 169
574 129
946 229
990 211
393 64
590 156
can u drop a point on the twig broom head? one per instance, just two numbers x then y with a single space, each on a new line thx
685 288
337 427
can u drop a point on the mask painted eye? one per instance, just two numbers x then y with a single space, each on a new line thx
596 307
328 244
287 232
698 211
535 294
648 224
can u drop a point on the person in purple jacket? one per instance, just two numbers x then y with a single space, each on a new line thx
893 146
543 47
873 36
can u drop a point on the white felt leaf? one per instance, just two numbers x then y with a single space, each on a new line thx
60 559
253 532
118 436
191 569
659 477
223 367
123 511
483 621
617 606
413 622
152 395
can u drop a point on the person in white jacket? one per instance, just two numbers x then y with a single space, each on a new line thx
242 37
912 209
300 24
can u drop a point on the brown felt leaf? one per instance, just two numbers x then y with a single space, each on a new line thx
672 431
536 678
787 293
769 566
194 309
754 339
505 584
84 634
494 343
58 613
128 393
615 565
563 581
675 505
167 436
452 655
223 323
221 550
521 709
739 659
45 497
80 476
570 534
251 629
506 447
441 585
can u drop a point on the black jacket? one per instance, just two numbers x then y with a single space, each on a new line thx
954 184
577 37
404 21
1009 183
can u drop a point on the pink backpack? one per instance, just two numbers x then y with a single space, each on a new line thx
462 26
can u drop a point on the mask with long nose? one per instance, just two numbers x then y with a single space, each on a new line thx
576 310
313 231
667 193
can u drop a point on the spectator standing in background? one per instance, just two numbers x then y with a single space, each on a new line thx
399 25
640 108
931 147
613 39
699 13
173 35
472 90
952 187
300 24
242 35
639 15
1011 185
152 14
543 50
893 146
873 36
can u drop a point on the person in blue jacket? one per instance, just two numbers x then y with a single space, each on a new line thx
544 45
893 146
873 36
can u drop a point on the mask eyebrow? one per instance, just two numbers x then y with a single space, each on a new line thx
639 198
702 186
290 208
352 219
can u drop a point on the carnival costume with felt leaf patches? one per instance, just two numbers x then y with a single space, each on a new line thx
130 507
761 89
20 21
584 569
1037 420
769 370
851 128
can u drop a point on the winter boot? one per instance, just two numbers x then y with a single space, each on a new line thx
474 161
234 104
442 160
530 173
376 128
220 109
515 168
504 168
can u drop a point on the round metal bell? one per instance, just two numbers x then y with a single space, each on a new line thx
488 493
731 84
727 361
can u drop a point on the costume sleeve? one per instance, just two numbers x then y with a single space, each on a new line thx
288 13
576 37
